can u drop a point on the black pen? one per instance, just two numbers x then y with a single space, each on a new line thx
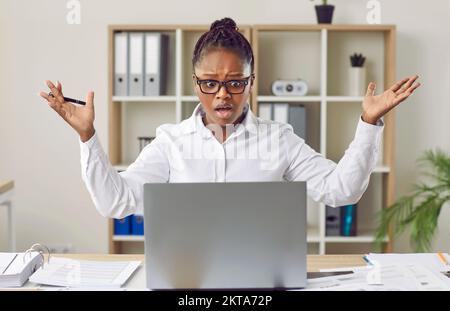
68 99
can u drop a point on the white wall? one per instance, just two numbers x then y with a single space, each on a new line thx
40 152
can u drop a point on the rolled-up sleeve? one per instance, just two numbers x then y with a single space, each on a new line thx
118 195
335 184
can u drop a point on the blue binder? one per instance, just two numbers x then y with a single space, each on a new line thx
137 225
122 226
348 220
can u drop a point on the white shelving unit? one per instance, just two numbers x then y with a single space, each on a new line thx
318 52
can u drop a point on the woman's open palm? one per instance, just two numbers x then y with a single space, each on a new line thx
376 106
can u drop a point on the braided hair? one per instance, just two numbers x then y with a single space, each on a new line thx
223 34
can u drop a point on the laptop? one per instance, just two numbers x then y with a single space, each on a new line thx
236 235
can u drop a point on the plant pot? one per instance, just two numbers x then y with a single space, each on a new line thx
324 13
357 81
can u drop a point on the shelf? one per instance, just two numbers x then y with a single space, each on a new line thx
189 99
287 55
365 236
157 99
382 169
128 238
289 99
339 48
312 235
346 99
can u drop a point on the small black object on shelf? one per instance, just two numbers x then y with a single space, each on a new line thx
357 60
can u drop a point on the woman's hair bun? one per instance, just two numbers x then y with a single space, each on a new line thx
226 22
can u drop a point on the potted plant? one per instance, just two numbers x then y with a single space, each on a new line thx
357 75
324 12
420 210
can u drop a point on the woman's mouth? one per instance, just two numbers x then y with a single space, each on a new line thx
224 111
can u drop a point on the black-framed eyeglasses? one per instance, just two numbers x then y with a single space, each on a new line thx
235 86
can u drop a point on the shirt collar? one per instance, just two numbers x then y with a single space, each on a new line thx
195 122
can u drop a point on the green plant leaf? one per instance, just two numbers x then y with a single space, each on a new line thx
420 210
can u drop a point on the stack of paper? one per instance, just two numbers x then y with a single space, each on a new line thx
16 268
388 272
437 262
384 278
83 274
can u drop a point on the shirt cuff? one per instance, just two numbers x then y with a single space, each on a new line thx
369 133
89 147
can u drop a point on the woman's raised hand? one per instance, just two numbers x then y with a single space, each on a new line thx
80 118
376 106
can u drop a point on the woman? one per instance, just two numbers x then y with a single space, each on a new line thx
223 141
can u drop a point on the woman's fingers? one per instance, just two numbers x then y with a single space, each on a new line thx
44 96
371 89
398 85
53 102
90 100
55 91
405 94
50 99
413 88
407 85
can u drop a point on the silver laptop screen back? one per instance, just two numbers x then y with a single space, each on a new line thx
225 235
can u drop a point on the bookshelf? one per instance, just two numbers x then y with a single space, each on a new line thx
316 53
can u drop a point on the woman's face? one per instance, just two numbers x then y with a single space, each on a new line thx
222 108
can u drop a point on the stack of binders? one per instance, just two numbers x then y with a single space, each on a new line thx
140 63
131 225
293 114
341 221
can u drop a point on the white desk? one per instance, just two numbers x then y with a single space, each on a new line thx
6 191
138 283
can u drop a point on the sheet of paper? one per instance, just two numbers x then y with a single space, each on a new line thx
80 273
430 260
384 278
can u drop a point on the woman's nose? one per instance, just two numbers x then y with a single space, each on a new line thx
222 92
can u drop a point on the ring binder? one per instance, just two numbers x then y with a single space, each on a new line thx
16 268
38 248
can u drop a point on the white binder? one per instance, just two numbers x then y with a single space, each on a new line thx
281 112
121 64
265 111
155 63
136 77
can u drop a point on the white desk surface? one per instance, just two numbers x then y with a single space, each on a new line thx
137 281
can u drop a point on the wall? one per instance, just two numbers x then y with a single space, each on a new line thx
41 153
